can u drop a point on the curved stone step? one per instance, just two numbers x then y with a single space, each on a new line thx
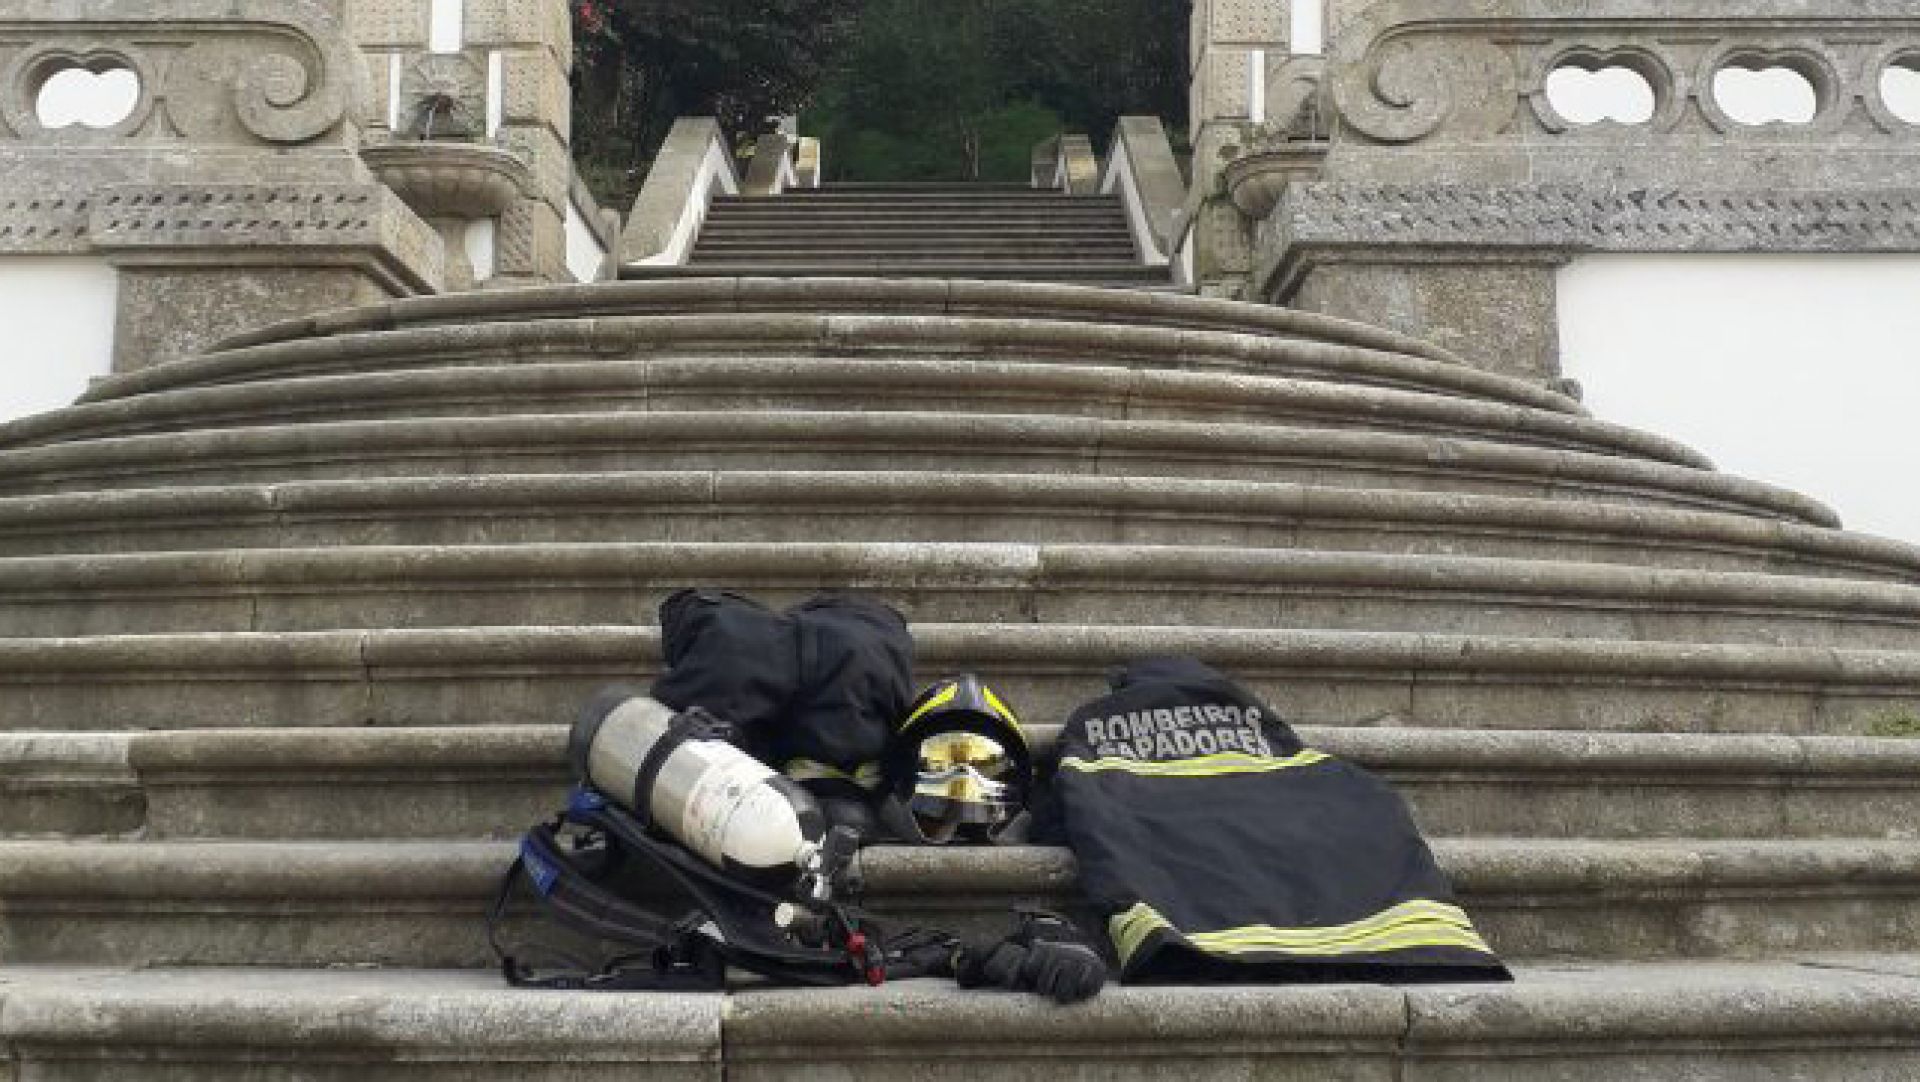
886 336
1848 1017
760 295
423 903
854 506
562 585
506 676
897 441
780 383
495 781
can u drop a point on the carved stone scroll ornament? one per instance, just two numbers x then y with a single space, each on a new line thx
1406 71
281 72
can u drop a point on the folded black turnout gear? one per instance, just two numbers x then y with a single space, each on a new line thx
1219 848
814 691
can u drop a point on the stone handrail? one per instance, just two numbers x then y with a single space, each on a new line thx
771 171
1066 163
1141 169
693 166
1412 71
211 72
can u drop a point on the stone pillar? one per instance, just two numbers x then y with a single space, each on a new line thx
509 79
231 194
1423 177
1234 45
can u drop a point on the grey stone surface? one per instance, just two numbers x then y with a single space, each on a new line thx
845 296
1154 179
931 1032
600 584
517 675
1499 312
60 784
668 200
902 441
421 903
491 781
697 506
1719 1022
70 1024
1450 185
233 185
458 383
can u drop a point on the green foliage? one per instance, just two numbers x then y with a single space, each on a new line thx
962 89
899 89
1901 722
641 64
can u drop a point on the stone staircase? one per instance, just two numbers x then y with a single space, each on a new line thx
979 231
293 630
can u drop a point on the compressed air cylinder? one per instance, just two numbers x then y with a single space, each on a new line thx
726 806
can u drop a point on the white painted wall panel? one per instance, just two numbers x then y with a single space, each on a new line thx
1799 370
56 322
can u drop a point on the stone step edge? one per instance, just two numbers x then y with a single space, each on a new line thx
372 648
1713 1020
972 568
1125 391
1416 673
1088 442
192 784
402 498
539 750
757 333
1481 869
932 296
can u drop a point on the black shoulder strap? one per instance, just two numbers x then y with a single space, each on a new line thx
693 723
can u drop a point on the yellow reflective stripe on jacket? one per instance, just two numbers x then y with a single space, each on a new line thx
1199 766
1411 924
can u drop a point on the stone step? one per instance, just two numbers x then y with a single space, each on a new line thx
701 506
1832 1017
914 251
827 296
462 386
559 585
1011 222
930 195
880 340
1043 229
900 441
1116 275
423 903
507 676
910 187
494 781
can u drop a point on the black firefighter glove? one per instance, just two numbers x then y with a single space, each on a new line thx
1045 954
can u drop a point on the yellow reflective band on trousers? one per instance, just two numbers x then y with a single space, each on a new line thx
1409 925
1199 766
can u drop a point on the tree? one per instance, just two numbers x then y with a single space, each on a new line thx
961 89
641 64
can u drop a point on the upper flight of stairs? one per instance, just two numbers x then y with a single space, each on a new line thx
289 634
938 230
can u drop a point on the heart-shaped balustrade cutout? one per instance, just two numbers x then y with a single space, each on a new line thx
93 97
1775 95
1900 89
1584 96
